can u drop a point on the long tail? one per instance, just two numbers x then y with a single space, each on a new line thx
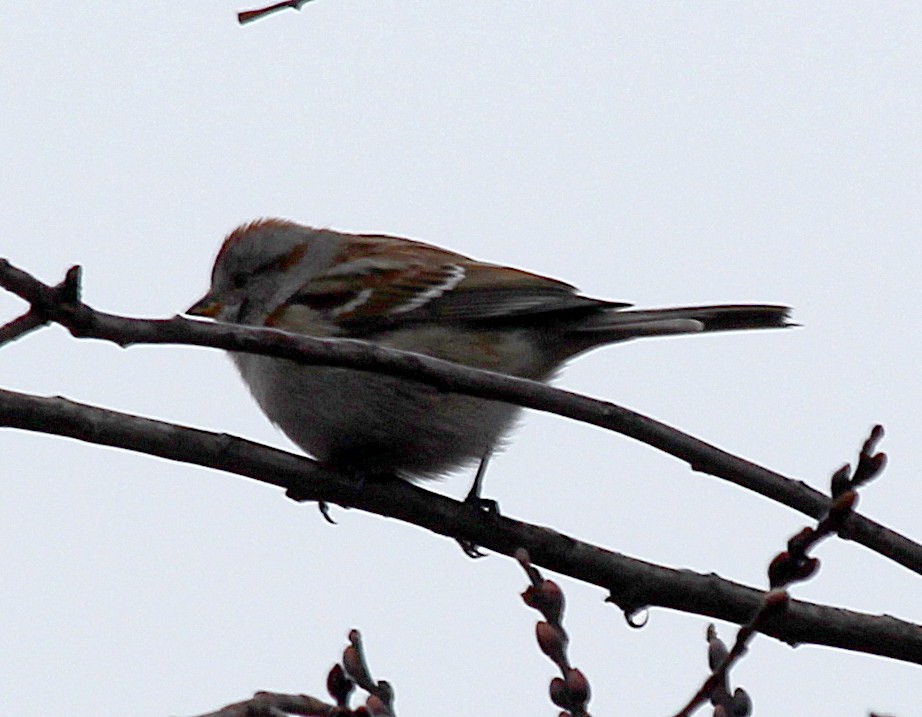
621 324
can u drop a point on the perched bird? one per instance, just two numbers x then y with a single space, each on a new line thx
412 296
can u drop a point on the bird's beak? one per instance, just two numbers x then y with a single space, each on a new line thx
206 306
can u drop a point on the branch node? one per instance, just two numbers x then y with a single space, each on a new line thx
68 291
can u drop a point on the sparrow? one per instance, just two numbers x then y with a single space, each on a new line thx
413 296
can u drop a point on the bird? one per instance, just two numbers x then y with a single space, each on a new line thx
409 295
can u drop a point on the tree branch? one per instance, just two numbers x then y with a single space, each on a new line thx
631 583
64 307
251 15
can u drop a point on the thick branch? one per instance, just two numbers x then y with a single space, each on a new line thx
632 583
84 322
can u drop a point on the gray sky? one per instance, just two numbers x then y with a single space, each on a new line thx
657 153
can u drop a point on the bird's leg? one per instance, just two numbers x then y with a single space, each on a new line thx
482 505
473 498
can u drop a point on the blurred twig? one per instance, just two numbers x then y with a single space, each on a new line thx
247 16
341 682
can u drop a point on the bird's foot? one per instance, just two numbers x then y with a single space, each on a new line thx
483 506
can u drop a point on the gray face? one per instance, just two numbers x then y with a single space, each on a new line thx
264 266
246 275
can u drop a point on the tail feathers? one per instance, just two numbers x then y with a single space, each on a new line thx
648 327
620 325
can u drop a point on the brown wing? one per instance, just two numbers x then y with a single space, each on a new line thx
381 281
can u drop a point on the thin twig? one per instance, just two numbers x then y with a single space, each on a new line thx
274 703
20 326
571 690
248 16
355 664
795 564
774 605
68 291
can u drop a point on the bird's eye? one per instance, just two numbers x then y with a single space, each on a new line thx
238 280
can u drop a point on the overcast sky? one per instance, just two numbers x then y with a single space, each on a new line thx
658 153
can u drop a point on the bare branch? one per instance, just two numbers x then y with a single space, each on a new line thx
84 322
247 16
67 291
264 704
21 326
631 583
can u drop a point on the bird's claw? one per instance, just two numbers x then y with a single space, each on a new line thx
470 549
